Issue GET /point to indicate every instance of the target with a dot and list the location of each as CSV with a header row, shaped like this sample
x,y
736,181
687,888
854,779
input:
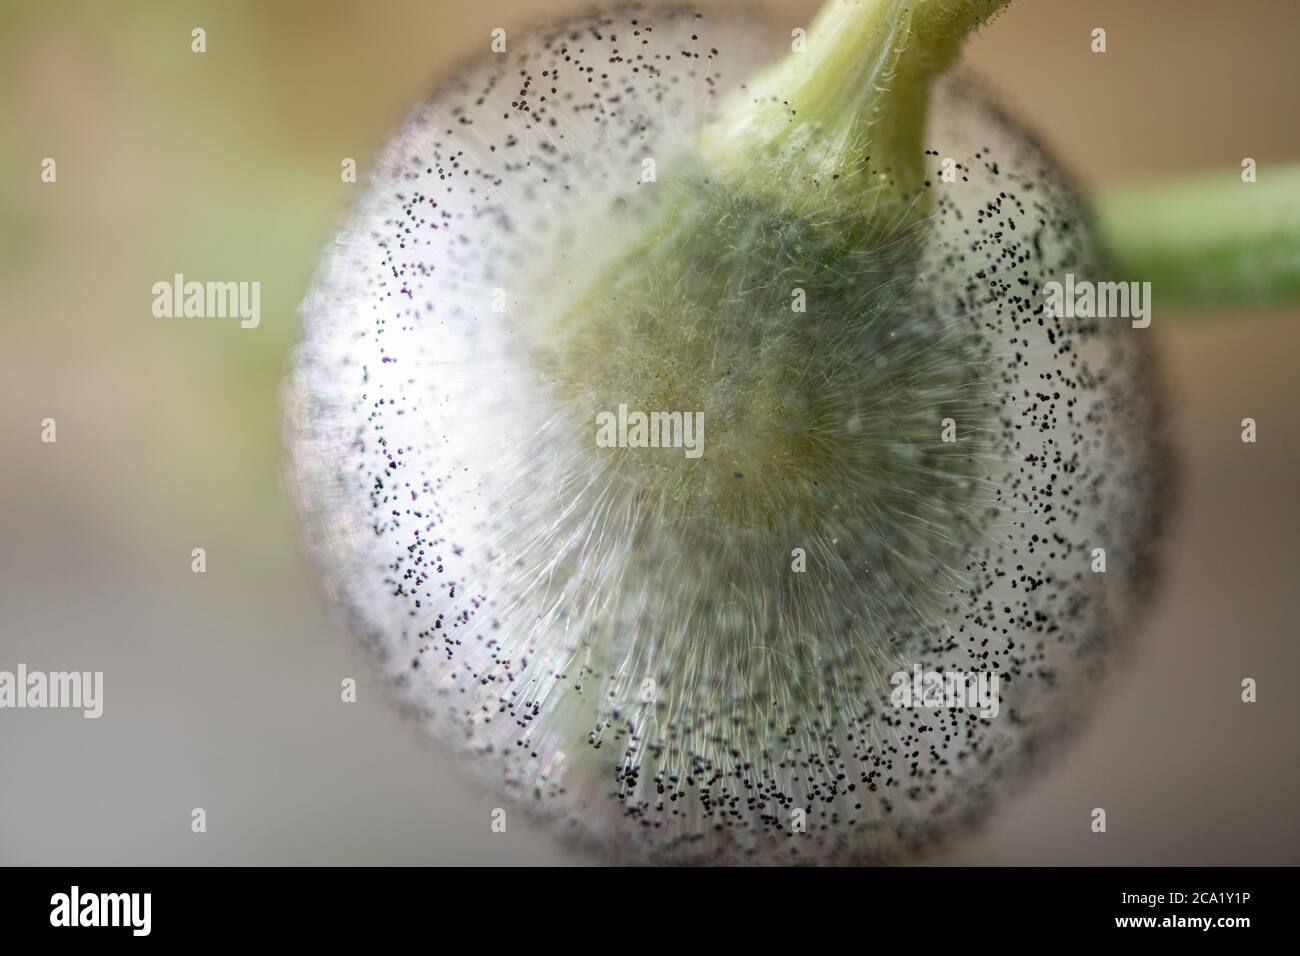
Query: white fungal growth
x,y
616,634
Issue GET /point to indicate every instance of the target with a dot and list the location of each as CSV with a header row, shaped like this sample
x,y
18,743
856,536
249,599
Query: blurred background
x,y
222,689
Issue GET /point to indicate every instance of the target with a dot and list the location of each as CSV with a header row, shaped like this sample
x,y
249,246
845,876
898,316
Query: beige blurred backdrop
x,y
222,689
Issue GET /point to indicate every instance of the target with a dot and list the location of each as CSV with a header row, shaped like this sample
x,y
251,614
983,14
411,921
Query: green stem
x,y
839,127
1209,240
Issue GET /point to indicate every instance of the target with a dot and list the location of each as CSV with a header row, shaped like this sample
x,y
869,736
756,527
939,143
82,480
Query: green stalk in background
x,y
1209,240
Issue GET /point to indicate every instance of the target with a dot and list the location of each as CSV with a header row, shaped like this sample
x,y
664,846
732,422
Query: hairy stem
x,y
841,123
